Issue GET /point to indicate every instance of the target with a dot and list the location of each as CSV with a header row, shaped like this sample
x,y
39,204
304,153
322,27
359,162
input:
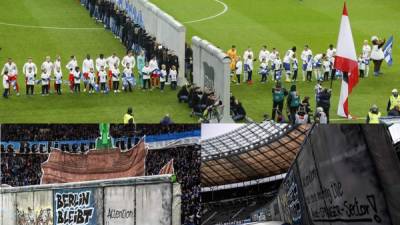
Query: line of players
x,y
102,75
321,64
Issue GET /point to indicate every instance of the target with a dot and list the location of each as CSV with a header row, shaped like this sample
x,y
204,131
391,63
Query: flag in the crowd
x,y
64,167
387,51
346,61
168,168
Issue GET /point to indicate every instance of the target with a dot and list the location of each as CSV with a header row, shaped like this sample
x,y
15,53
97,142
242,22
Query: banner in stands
x,y
124,143
168,31
211,72
334,179
74,206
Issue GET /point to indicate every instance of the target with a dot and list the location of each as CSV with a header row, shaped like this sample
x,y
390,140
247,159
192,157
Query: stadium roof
x,y
250,152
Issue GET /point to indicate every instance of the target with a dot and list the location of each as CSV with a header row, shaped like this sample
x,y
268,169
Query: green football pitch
x,y
279,24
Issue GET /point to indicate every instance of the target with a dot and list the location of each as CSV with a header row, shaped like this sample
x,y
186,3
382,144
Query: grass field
x,y
285,23
279,24
20,43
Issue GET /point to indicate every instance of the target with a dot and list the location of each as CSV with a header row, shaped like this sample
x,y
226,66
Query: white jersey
x,y
100,63
173,75
45,78
309,65
264,67
248,53
330,53
47,66
278,64
326,64
317,58
103,76
6,84
239,67
115,73
377,53
295,64
263,55
58,77
77,77
112,60
72,64
273,56
163,75
305,54
91,77
30,77
129,59
128,72
87,65
28,66
153,65
249,63
288,56
146,72
366,51
11,68
361,63
57,65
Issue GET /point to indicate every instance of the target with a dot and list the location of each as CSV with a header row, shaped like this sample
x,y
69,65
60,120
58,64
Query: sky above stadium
x,y
212,130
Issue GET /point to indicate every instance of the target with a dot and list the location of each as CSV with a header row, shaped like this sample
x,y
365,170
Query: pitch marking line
x,y
211,17
53,28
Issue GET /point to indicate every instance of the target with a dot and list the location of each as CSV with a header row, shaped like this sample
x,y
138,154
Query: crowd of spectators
x,y
187,163
236,205
21,169
25,169
57,132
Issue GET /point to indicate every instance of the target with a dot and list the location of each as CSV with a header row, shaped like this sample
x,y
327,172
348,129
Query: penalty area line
x,y
213,16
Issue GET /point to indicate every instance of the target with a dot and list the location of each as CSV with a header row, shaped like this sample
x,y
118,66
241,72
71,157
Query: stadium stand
x,y
251,152
243,169
21,169
233,206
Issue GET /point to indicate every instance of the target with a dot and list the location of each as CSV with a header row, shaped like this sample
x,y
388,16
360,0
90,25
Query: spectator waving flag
x,y
346,61
387,51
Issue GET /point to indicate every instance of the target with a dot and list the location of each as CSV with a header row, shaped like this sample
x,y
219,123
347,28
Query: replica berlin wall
x,y
151,200
344,174
168,31
211,71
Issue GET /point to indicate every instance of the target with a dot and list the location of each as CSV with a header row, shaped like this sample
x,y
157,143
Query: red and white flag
x,y
168,168
346,61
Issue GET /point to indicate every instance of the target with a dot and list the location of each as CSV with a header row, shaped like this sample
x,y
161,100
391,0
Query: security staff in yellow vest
x,y
373,115
128,117
393,100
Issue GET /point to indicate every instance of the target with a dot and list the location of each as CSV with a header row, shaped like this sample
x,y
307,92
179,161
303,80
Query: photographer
x,y
325,101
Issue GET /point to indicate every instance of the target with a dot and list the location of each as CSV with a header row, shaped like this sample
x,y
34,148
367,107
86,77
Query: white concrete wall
x,y
152,200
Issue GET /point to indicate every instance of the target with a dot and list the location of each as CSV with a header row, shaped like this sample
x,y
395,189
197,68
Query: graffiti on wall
x,y
30,217
74,207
